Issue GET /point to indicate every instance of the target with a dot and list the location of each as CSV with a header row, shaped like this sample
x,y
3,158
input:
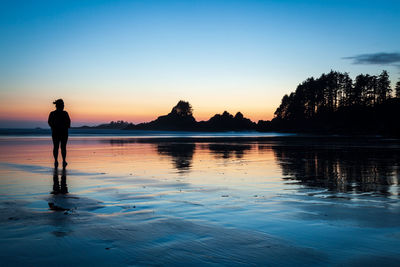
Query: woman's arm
x,y
50,121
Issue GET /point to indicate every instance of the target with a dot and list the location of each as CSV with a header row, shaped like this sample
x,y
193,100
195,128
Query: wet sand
x,y
173,201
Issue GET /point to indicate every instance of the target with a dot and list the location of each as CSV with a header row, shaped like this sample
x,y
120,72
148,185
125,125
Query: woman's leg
x,y
64,140
56,143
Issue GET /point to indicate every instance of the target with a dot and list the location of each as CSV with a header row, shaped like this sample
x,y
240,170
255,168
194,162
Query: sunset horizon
x,y
124,60
85,112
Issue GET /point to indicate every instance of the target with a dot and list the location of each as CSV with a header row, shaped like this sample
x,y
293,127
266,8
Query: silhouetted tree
x,y
179,119
371,89
239,116
397,89
358,93
227,122
183,109
282,111
346,84
383,89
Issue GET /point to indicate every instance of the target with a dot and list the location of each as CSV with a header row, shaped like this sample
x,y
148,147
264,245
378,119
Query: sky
x,y
134,60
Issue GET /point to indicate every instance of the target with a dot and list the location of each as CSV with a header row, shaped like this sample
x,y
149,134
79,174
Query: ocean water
x,y
200,198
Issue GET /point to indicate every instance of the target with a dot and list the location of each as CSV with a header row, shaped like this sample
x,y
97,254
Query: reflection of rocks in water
x,y
342,169
227,151
119,141
181,154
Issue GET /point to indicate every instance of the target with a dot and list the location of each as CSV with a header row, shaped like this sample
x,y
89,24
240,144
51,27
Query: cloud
x,y
376,59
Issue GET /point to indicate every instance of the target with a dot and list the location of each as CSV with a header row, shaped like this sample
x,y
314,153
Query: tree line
x,y
334,102
334,90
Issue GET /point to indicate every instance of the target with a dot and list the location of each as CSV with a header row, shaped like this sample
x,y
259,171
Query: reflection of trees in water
x,y
227,151
341,169
120,141
181,154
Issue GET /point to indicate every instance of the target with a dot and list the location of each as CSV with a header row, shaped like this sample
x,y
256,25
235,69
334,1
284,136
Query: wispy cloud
x,y
376,59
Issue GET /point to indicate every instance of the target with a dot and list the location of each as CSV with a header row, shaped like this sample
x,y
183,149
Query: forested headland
x,y
334,103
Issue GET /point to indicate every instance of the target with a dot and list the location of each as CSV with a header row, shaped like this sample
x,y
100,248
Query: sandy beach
x,y
126,201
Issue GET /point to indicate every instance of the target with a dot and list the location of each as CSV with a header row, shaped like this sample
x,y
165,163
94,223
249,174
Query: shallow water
x,y
252,200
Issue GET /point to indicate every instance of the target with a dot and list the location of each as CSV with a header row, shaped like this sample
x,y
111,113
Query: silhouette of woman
x,y
59,122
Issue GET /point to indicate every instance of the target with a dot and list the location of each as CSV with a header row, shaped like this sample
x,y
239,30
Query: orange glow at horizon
x,y
87,115
89,110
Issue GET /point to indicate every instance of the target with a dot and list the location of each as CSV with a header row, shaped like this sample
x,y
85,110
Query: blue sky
x,y
134,60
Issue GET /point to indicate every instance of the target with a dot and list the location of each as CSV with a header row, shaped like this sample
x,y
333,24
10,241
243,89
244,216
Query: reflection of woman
x,y
59,122
56,184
